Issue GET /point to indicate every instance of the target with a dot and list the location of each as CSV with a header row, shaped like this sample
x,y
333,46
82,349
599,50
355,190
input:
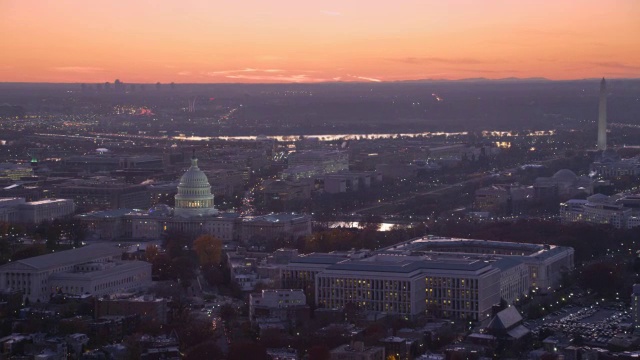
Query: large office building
x,y
273,226
609,164
107,163
9,171
327,161
621,212
17,210
442,277
104,194
93,269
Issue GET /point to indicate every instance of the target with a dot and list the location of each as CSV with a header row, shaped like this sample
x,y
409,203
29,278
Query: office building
x,y
9,171
32,276
327,161
357,351
621,212
289,226
609,164
104,194
35,212
281,304
442,277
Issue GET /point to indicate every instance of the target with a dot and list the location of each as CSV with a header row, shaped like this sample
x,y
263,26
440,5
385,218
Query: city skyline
x,y
221,42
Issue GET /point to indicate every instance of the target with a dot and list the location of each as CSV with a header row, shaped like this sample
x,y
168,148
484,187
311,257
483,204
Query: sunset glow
x,y
220,41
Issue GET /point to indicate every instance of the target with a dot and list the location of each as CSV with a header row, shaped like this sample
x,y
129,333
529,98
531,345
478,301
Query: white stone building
x,y
194,196
102,278
35,212
268,302
621,212
32,276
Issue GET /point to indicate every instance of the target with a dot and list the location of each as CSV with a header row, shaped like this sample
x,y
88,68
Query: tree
x,y
151,252
319,352
227,313
206,350
213,275
208,248
175,243
162,267
183,270
31,251
193,331
247,350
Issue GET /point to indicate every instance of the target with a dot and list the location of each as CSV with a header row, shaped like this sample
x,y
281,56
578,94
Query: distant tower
x,y
602,117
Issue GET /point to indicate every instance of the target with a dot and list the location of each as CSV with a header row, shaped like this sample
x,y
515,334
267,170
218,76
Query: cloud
x,y
616,65
245,70
331,13
184,73
296,78
366,78
79,69
437,60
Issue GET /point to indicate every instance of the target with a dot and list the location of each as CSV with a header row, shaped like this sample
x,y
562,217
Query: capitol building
x,y
194,214
194,196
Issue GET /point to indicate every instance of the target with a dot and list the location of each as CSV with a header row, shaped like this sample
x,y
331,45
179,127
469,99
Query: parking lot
x,y
595,324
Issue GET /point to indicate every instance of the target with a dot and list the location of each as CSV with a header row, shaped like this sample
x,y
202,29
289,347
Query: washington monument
x,y
602,117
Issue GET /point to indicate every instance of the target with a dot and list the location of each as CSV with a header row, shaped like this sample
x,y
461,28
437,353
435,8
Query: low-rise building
x,y
358,351
148,307
290,226
282,304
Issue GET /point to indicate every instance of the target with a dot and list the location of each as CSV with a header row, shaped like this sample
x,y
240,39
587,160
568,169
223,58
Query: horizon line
x,y
478,79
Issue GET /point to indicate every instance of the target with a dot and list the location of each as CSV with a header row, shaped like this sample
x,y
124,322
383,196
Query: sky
x,y
265,41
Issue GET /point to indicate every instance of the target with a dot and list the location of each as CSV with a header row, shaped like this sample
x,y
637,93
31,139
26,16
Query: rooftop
x,y
408,264
66,258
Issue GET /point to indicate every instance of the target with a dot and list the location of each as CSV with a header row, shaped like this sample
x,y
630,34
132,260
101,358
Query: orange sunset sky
x,y
210,41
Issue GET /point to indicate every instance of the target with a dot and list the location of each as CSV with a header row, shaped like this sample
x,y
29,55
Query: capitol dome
x,y
194,196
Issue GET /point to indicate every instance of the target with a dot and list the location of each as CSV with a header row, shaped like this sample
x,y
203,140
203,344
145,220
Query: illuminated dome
x,y
194,196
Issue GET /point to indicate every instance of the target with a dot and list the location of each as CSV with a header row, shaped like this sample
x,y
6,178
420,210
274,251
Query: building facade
x,y
441,277
32,276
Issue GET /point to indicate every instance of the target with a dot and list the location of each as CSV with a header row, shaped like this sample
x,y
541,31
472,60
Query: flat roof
x,y
275,218
46,201
68,257
125,267
408,264
318,258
